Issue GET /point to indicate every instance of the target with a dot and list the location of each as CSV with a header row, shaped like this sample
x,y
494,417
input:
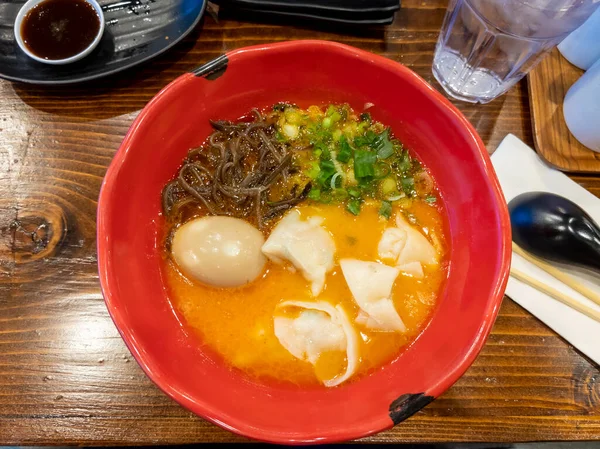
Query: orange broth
x,y
237,323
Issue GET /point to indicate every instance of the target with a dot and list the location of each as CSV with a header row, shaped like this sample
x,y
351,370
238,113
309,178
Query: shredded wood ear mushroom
x,y
232,174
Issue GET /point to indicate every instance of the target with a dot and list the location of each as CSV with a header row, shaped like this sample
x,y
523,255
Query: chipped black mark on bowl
x,y
407,405
212,69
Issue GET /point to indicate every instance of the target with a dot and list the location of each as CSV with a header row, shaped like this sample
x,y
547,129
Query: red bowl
x,y
302,72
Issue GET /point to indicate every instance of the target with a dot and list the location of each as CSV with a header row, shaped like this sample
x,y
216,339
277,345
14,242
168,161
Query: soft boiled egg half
x,y
219,251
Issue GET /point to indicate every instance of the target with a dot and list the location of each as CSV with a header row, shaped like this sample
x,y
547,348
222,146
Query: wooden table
x,y
65,375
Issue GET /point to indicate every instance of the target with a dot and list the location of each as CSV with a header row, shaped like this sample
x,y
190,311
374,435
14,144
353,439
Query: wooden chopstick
x,y
563,277
559,296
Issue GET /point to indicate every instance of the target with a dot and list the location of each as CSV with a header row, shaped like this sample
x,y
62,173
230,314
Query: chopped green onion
x,y
388,185
320,149
313,171
314,194
408,185
385,152
345,152
290,131
353,206
367,187
292,116
364,163
386,209
385,148
279,107
362,126
360,141
340,194
354,192
332,116
431,199
396,197
326,197
351,160
371,137
328,166
334,178
316,134
327,170
382,170
404,162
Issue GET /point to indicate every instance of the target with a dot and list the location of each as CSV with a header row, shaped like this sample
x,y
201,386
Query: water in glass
x,y
486,46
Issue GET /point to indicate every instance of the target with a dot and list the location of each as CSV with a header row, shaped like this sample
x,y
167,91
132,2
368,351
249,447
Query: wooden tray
x,y
548,85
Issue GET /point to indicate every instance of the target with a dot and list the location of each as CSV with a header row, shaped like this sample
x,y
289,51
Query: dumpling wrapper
x,y
319,328
407,248
371,286
305,244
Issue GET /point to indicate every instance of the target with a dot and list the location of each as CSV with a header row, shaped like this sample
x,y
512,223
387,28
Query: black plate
x,y
363,19
350,12
136,31
325,6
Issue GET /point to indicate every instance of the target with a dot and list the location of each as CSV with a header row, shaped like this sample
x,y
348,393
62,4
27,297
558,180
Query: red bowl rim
x,y
377,424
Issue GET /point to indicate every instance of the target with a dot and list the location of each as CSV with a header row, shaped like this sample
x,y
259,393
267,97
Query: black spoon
x,y
556,229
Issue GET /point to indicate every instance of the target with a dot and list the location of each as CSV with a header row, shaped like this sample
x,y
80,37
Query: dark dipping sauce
x,y
59,29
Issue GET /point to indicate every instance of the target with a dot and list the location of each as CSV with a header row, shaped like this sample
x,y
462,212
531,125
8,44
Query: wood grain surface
x,y
65,375
548,85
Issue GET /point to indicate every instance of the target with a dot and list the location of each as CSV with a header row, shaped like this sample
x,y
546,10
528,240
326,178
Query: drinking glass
x,y
486,46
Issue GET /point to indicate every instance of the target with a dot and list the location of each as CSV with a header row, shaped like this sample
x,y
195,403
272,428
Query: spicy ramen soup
x,y
304,246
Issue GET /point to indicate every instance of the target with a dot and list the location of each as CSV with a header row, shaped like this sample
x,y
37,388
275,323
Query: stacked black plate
x,y
342,11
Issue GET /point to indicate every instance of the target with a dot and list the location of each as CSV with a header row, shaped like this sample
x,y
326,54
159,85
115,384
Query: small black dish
x,y
136,31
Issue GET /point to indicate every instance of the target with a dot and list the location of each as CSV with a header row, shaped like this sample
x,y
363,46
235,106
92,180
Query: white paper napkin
x,y
520,170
